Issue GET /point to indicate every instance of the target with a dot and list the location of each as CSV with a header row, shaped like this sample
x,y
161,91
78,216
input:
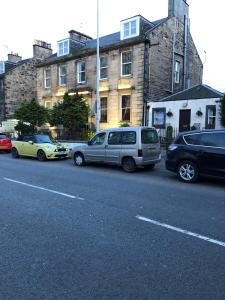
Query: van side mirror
x,y
89,143
31,142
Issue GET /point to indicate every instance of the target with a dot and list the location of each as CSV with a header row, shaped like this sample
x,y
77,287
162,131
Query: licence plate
x,y
151,150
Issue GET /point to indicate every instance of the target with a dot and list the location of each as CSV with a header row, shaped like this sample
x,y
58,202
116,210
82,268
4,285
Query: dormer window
x,y
129,28
2,67
63,47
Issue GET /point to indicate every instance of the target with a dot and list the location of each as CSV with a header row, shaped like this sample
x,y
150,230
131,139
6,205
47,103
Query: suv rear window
x,y
149,136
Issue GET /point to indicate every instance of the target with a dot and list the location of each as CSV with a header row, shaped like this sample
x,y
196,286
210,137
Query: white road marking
x,y
196,235
42,188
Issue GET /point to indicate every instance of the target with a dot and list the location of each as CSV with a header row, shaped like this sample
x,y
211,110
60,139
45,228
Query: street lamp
x,y
97,113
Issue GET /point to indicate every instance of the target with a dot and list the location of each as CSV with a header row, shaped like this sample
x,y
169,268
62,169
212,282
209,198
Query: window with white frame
x,y
103,111
177,72
126,63
210,116
2,67
125,108
103,67
63,47
62,75
47,78
159,117
81,72
130,28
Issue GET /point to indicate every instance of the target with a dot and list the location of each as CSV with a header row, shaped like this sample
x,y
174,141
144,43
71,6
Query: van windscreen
x,y
149,136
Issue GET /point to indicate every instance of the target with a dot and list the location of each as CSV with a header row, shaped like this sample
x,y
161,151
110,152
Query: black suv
x,y
197,153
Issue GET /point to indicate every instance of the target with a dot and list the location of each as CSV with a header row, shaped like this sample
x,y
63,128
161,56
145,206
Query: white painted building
x,y
194,108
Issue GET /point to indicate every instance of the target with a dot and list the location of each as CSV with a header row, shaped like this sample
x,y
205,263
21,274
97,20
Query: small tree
x,y
222,111
72,113
31,115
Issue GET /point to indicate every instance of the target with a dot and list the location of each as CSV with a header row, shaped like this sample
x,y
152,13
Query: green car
x,y
40,146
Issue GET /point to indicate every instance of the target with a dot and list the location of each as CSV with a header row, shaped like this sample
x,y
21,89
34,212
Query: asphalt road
x,y
98,233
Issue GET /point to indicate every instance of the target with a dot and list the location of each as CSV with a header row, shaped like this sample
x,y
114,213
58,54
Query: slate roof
x,y
108,41
200,91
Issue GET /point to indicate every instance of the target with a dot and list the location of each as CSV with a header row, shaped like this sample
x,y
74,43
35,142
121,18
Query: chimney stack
x,y
41,49
178,9
14,57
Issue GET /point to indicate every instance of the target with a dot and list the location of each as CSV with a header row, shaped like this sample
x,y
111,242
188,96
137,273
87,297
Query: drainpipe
x,y
173,54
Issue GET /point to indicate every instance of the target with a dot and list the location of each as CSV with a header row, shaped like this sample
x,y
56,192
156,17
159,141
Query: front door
x,y
185,119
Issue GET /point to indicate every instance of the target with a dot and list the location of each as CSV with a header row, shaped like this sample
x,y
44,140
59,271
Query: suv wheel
x,y
41,155
187,171
129,165
79,159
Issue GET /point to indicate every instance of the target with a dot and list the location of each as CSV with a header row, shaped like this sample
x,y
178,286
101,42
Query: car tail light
x,y
172,147
140,153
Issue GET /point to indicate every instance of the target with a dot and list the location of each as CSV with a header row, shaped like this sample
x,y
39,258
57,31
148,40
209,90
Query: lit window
x,y
159,117
62,75
129,28
104,67
2,67
126,63
63,47
125,108
81,73
103,117
48,104
210,117
47,78
177,72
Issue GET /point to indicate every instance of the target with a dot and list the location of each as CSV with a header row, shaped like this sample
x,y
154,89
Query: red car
x,y
5,143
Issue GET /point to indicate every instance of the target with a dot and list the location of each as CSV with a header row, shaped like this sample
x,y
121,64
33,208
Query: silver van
x,y
129,147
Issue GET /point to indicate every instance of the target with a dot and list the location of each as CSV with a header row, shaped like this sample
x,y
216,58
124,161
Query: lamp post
x,y
97,114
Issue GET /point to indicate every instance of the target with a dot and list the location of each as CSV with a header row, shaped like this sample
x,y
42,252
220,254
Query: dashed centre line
x,y
186,232
43,189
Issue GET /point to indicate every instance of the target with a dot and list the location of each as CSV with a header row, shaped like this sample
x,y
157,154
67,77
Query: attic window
x,y
129,28
63,47
2,67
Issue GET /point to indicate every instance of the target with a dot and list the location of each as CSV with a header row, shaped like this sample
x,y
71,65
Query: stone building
x,y
143,62
18,79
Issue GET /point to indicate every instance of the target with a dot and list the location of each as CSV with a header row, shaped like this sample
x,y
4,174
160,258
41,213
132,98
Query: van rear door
x,y
150,144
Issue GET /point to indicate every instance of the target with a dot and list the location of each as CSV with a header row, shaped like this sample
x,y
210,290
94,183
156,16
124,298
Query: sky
x,y
23,21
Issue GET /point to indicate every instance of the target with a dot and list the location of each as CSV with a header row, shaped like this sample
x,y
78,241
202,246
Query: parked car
x,y
197,153
39,146
129,147
5,143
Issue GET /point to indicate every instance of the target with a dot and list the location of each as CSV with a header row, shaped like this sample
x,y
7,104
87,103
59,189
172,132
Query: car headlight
x,y
172,147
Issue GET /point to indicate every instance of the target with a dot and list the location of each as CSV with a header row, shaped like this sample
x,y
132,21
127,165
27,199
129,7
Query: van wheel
x,y
15,153
79,159
129,165
187,171
41,155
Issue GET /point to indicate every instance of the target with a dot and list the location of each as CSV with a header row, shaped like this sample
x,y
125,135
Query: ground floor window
x,y
159,117
103,105
125,108
210,117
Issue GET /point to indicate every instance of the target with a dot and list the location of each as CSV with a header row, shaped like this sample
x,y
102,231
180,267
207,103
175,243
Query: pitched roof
x,y
107,41
200,91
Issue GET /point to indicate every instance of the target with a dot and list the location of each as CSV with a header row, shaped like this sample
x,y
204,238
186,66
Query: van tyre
x,y
15,153
79,159
129,165
41,155
188,172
